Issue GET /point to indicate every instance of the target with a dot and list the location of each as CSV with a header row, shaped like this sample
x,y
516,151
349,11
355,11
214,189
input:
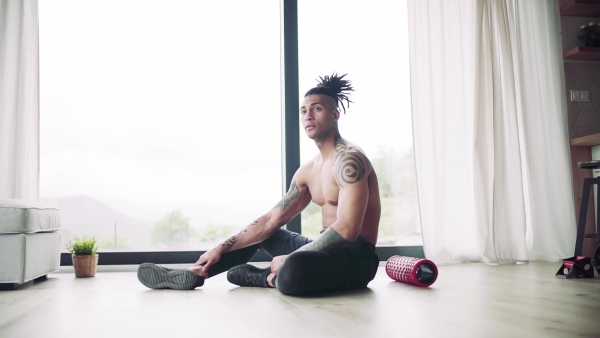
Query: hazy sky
x,y
151,106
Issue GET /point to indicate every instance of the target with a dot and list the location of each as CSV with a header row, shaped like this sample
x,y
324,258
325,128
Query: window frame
x,y
291,156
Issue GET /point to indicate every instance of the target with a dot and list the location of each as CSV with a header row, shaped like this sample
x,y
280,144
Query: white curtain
x,y
490,134
19,99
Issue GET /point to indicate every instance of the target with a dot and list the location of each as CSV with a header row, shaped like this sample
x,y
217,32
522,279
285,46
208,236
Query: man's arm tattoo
x,y
350,168
330,239
229,243
291,195
232,240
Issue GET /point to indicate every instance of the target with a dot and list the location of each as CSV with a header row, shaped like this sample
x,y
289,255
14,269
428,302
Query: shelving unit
x,y
582,54
585,8
582,8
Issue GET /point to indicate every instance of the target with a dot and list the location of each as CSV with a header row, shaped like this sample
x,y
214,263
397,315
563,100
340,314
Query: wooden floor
x,y
467,300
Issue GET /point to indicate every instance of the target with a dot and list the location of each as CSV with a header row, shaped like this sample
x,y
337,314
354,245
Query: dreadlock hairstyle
x,y
334,86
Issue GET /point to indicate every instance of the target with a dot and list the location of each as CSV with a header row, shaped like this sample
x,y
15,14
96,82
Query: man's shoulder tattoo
x,y
340,145
351,166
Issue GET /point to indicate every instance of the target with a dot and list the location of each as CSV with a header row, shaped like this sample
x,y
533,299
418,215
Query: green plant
x,y
589,32
82,246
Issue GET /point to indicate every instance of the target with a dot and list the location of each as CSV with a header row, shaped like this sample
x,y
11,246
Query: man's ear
x,y
336,115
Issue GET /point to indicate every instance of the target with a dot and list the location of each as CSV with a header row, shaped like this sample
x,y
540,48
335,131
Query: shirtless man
x,y
341,180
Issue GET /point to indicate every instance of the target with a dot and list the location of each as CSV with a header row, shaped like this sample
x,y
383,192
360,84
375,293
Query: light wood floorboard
x,y
467,300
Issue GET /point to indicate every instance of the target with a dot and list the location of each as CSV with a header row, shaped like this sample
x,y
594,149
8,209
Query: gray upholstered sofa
x,y
29,241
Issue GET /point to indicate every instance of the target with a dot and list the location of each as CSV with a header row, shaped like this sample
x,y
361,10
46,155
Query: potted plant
x,y
84,254
590,34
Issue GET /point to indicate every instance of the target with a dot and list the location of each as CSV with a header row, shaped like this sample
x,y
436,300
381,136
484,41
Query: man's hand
x,y
205,261
277,262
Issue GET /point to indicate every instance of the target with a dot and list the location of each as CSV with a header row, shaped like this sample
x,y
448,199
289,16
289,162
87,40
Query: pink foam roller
x,y
411,270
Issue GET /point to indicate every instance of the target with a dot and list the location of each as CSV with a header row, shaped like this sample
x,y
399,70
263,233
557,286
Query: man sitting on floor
x,y
341,180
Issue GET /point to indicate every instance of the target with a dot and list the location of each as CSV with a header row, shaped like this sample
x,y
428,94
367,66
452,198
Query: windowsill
x,y
133,268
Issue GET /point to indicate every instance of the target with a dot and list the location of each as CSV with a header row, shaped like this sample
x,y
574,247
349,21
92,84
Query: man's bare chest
x,y
322,185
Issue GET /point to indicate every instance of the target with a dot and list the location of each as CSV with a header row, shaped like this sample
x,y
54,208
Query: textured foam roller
x,y
411,270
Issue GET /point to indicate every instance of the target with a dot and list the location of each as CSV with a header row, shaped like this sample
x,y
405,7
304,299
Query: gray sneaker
x,y
248,275
158,277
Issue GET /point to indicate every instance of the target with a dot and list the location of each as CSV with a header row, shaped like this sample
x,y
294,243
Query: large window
x,y
368,40
160,121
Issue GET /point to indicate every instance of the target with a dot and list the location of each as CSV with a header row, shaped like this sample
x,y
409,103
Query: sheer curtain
x,y
490,135
19,99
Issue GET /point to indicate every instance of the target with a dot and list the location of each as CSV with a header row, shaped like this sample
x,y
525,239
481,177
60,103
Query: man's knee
x,y
292,275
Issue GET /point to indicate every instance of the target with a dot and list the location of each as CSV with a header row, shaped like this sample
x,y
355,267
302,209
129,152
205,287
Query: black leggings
x,y
282,242
313,272
310,272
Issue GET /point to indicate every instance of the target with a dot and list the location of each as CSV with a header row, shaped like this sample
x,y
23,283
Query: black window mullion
x,y
290,90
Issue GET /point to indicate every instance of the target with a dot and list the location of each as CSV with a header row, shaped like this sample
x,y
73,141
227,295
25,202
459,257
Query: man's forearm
x,y
230,242
252,234
329,239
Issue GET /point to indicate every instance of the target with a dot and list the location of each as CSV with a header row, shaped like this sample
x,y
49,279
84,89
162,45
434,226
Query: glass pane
x,y
160,130
370,44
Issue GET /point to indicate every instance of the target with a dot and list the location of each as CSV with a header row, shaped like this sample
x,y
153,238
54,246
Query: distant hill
x,y
84,215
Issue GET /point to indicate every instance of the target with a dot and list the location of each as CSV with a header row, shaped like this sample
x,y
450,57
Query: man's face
x,y
318,119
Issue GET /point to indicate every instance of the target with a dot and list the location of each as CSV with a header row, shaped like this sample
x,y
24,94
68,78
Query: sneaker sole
x,y
155,277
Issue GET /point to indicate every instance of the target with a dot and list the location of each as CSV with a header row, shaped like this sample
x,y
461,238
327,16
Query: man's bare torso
x,y
319,177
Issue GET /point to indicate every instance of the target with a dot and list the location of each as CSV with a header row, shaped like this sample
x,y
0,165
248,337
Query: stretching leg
x,y
232,258
158,277
282,242
311,272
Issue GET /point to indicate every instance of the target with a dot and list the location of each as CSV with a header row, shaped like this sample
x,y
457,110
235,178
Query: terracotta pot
x,y
85,266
